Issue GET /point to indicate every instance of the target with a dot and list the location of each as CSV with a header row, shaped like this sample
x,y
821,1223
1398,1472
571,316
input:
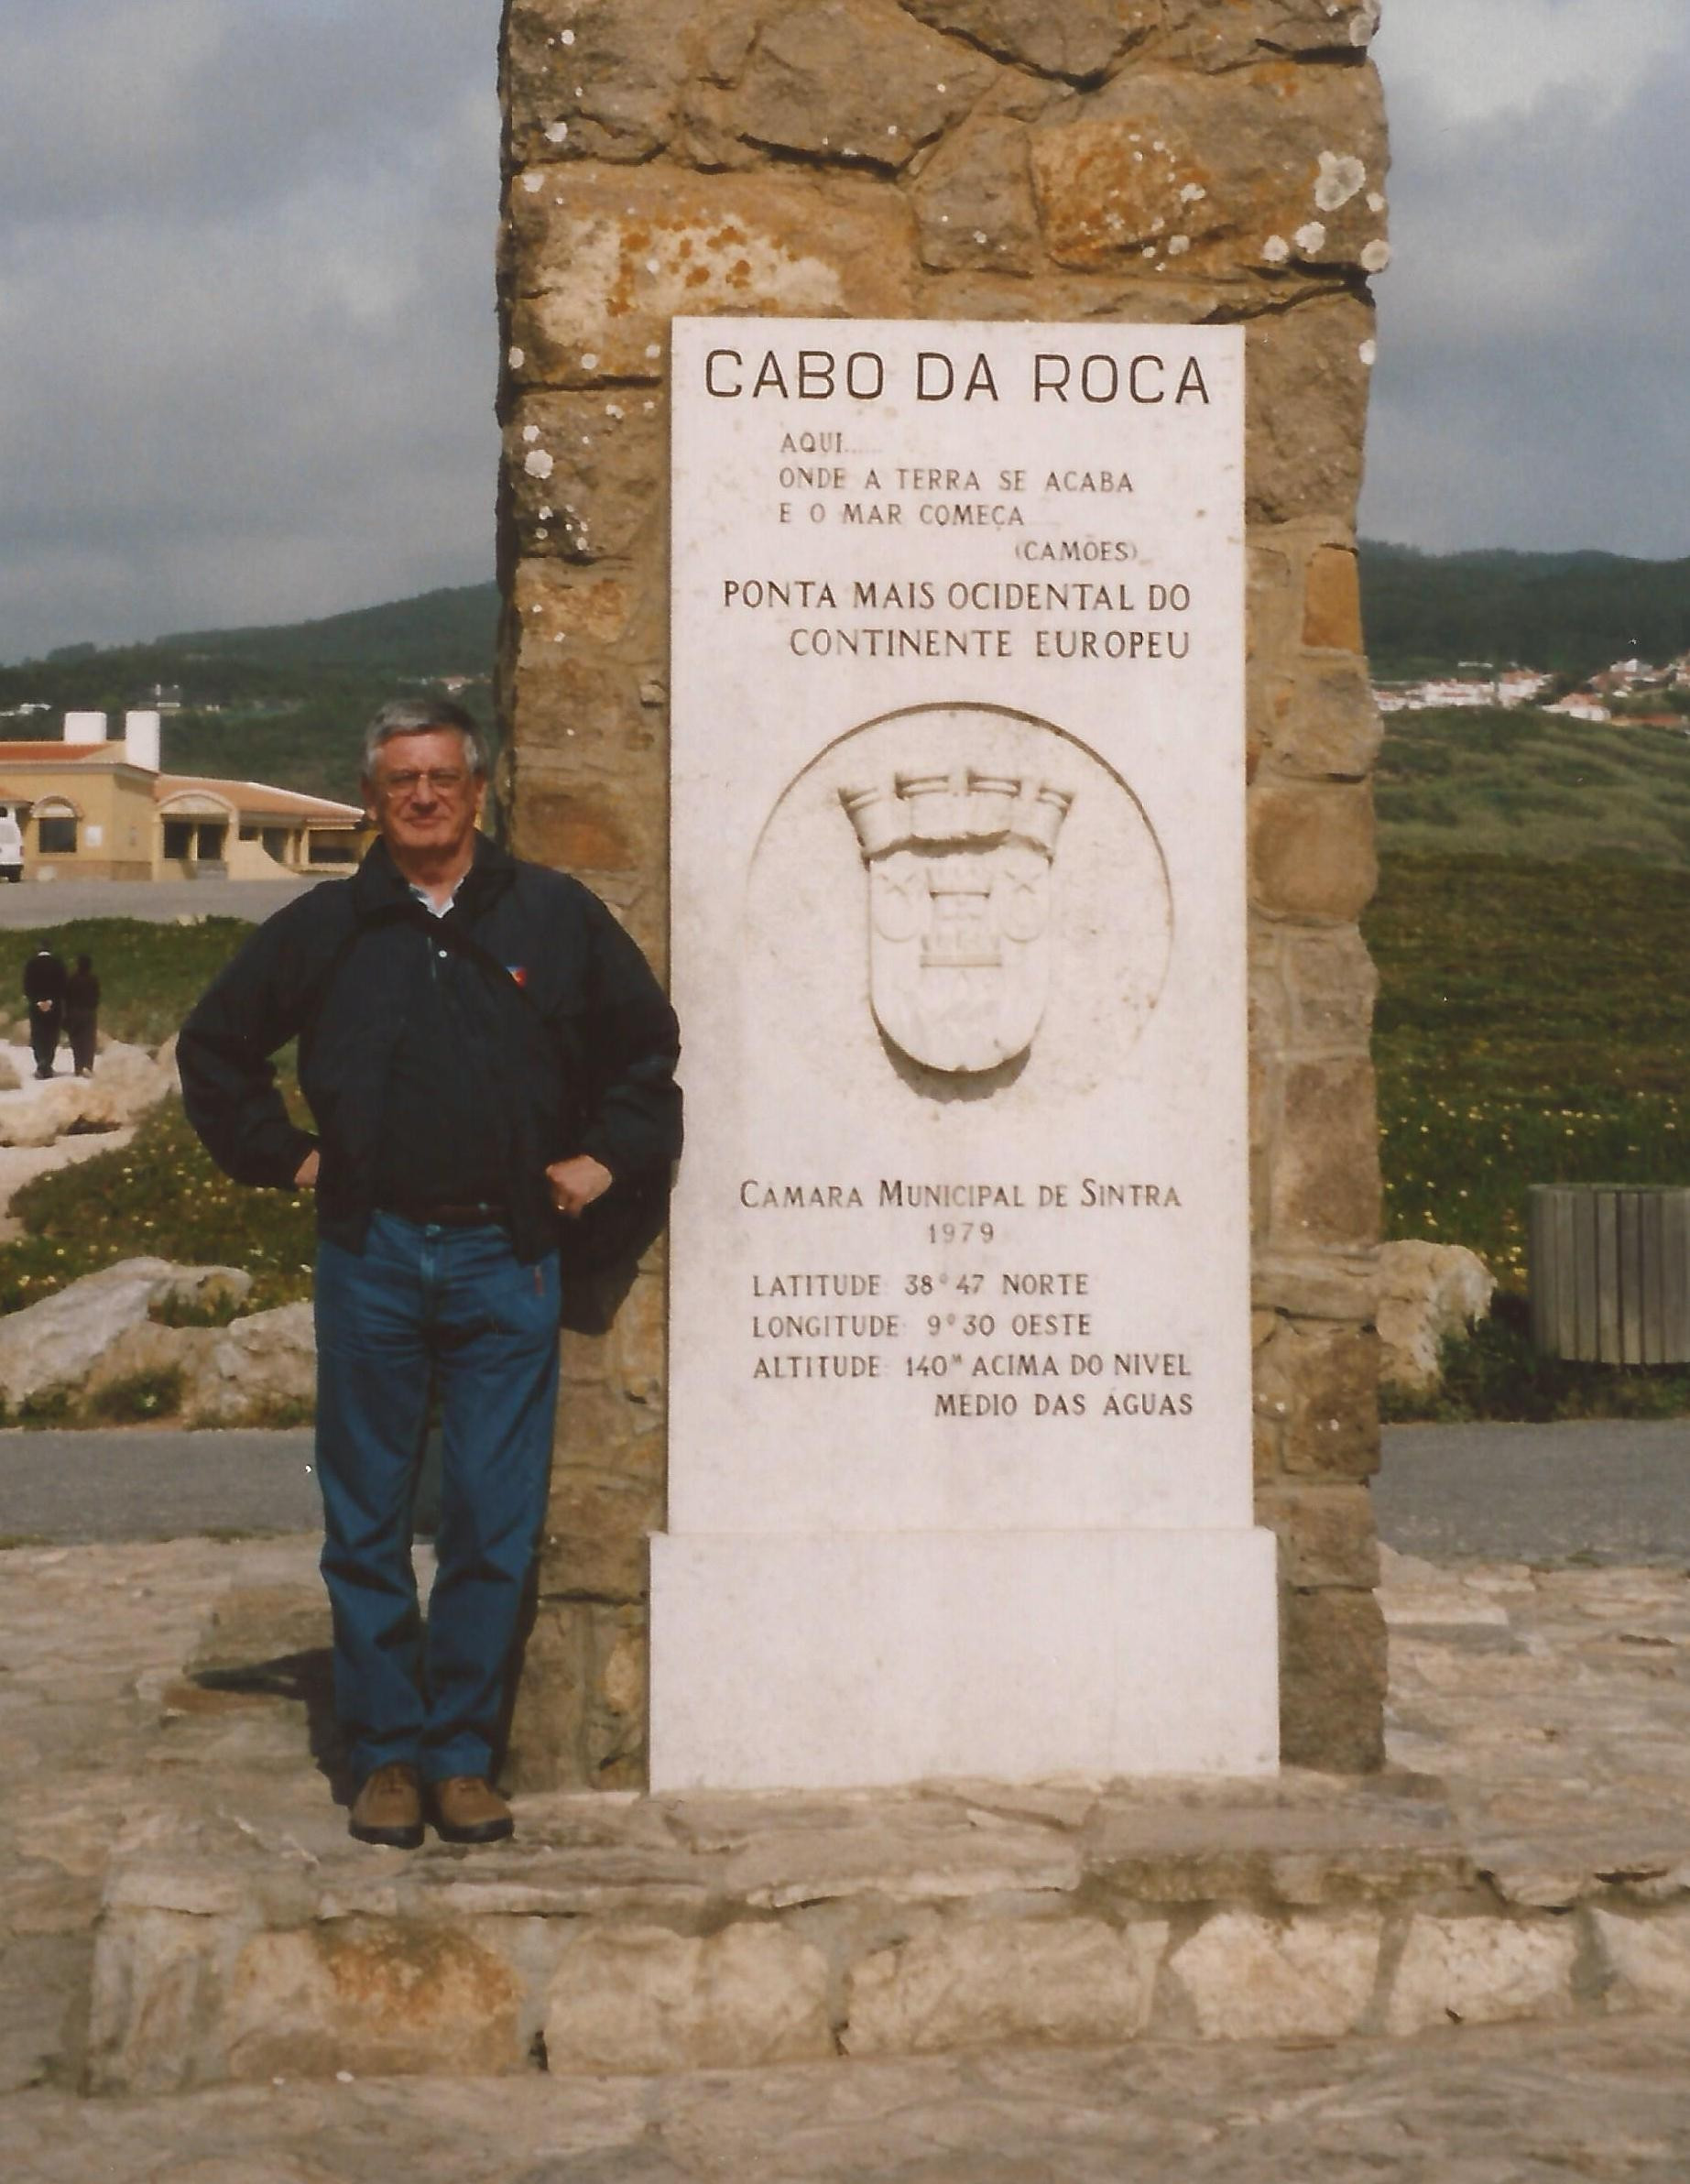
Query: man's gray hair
x,y
416,717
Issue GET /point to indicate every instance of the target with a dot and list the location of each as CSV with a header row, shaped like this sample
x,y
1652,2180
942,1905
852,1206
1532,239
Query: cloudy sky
x,y
246,322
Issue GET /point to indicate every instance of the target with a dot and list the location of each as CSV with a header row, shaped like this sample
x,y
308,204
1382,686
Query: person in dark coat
x,y
44,985
82,1014
483,1049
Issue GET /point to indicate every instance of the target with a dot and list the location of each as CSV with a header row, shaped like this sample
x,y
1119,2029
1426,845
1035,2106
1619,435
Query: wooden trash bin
x,y
1608,1266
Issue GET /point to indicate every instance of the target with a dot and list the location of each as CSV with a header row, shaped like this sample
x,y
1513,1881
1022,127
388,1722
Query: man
x,y
44,983
483,1049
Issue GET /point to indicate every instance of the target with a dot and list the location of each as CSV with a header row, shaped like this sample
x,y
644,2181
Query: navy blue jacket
x,y
584,1041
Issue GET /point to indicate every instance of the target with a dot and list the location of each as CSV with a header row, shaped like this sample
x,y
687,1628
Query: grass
x,y
1523,784
1532,1027
161,1196
150,975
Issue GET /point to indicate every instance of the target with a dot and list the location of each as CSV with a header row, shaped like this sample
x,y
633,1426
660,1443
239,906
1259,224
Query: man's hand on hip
x,y
575,1183
305,1177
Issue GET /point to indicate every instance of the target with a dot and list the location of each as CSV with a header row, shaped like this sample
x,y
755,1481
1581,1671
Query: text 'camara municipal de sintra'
x,y
1090,1191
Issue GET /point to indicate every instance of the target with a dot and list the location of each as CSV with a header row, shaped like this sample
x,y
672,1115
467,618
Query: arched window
x,y
195,828
58,826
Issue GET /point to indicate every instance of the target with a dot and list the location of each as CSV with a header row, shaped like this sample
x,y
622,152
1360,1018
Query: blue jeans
x,y
450,1309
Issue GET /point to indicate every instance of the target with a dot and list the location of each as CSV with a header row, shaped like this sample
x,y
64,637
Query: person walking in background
x,y
82,1014
44,985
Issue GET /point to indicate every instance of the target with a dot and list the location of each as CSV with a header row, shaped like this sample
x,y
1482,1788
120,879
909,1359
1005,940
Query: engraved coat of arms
x,y
959,911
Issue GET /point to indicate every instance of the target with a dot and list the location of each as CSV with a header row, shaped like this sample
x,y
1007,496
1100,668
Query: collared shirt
x,y
434,909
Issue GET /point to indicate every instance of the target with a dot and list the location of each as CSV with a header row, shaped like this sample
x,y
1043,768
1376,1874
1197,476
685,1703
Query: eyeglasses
x,y
442,781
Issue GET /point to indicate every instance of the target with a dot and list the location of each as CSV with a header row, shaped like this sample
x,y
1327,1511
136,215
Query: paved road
x,y
148,1485
161,902
1610,1492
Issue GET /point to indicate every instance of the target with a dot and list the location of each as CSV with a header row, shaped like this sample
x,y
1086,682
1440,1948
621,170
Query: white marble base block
x,y
959,1395
807,1662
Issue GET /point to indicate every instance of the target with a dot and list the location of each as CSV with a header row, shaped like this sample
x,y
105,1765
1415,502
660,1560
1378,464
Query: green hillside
x,y
1426,613
1566,613
286,704
439,633
1533,1024
269,702
1524,783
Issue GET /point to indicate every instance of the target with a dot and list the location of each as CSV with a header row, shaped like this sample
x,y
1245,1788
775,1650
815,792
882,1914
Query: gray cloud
x,y
248,353
1535,319
247,344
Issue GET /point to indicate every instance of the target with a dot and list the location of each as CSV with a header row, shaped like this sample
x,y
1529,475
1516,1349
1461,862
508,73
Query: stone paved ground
x,y
1551,1705
1511,2105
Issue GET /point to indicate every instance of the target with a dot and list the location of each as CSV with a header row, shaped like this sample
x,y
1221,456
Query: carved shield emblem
x,y
959,911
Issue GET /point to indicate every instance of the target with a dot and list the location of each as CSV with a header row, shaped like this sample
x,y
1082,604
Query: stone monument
x,y
960,1379
1167,176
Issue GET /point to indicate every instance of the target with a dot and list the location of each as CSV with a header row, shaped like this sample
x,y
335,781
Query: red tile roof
x,y
57,754
254,799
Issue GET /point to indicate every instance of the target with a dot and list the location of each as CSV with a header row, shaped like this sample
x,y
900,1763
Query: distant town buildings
x,y
1611,695
1473,686
93,807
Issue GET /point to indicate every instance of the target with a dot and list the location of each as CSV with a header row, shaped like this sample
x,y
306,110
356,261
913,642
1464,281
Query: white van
x,y
11,844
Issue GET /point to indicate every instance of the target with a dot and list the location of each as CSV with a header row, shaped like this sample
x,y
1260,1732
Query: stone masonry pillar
x,y
1163,162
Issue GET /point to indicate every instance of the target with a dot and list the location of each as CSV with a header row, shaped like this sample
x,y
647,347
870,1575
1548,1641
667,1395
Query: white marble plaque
x,y
960,1472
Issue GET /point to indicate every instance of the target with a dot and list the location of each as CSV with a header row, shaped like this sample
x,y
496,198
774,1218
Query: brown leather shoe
x,y
468,1809
388,1809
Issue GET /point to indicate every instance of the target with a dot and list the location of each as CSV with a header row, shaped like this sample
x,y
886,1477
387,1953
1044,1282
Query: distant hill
x,y
285,704
1567,613
1425,614
450,632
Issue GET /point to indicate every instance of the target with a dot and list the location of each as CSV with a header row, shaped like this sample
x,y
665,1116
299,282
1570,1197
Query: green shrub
x,y
52,1406
281,1413
216,1310
138,1396
1495,1373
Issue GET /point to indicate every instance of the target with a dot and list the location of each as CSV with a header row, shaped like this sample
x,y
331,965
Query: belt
x,y
451,1214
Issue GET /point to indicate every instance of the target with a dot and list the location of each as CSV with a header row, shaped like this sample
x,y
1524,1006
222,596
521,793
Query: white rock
x,y
1426,1291
377,1997
125,1083
130,1074
244,1374
57,1343
1480,1972
642,1999
150,1979
253,1367
1647,1961
1072,1983
1250,1979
